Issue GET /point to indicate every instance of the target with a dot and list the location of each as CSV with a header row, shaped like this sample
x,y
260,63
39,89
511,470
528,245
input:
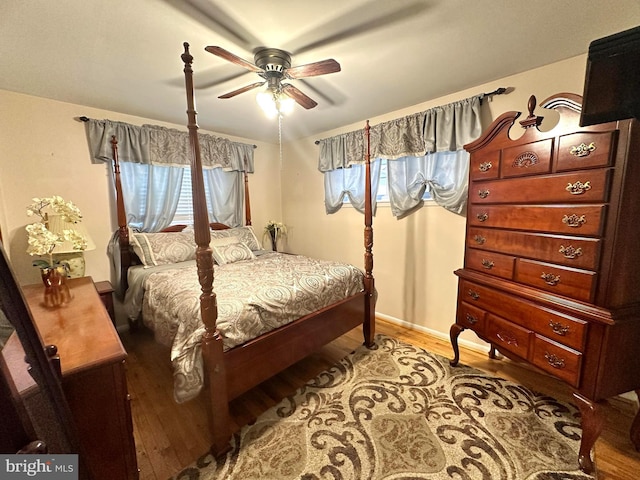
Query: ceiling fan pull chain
x,y
280,137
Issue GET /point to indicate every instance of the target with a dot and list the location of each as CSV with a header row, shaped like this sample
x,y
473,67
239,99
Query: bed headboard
x,y
127,256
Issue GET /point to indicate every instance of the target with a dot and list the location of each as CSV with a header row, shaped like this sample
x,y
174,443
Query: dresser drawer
x,y
571,251
529,159
559,361
508,336
492,263
494,301
565,219
564,329
590,186
478,295
485,165
471,317
585,150
570,282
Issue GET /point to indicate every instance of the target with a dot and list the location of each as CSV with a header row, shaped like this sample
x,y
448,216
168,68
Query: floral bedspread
x,y
253,298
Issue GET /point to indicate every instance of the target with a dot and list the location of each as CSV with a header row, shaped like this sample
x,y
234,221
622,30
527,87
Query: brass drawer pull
x,y
479,239
550,279
558,328
570,252
471,320
506,338
482,217
488,264
473,294
483,193
582,150
578,188
485,166
554,360
574,220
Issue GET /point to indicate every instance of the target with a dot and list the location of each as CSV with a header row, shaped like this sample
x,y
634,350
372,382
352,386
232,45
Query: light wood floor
x,y
169,436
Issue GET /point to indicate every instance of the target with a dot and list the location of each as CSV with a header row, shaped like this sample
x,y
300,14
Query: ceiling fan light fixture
x,y
274,103
286,104
266,100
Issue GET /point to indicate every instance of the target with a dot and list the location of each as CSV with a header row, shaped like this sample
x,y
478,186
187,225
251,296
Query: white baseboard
x,y
478,347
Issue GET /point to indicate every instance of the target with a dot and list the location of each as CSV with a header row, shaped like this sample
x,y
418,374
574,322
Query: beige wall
x,y
44,152
414,258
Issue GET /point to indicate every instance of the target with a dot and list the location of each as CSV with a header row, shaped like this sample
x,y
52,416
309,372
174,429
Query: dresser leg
x,y
635,427
492,352
592,423
454,332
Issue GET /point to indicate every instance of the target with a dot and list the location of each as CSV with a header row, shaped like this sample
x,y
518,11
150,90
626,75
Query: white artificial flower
x,y
41,240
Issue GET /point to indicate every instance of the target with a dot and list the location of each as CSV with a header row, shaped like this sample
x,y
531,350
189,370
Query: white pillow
x,y
218,242
163,247
244,234
231,253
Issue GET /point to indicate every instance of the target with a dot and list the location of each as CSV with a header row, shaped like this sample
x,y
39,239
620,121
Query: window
x,y
383,187
184,212
224,193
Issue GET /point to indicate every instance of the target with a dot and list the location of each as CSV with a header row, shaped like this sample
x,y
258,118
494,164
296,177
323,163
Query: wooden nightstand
x,y
92,363
105,290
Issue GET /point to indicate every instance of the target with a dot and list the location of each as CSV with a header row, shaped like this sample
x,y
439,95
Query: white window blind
x,y
184,212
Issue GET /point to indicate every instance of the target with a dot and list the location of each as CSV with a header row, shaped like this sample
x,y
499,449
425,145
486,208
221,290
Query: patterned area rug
x,y
399,412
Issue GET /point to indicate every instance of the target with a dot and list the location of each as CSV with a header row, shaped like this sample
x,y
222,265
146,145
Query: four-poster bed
x,y
232,370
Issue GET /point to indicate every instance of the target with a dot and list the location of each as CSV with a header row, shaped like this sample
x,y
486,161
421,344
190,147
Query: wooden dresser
x,y
552,258
93,376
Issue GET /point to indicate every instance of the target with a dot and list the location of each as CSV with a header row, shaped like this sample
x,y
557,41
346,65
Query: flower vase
x,y
56,290
274,240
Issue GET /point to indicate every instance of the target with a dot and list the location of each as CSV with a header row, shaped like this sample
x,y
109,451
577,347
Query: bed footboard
x,y
271,353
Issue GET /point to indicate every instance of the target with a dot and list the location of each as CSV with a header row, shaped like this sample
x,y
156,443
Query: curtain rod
x,y
497,91
86,119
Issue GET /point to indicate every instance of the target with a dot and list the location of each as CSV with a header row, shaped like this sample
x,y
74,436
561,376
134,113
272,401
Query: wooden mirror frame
x,y
41,361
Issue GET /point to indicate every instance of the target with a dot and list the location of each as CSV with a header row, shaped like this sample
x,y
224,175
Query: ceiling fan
x,y
274,66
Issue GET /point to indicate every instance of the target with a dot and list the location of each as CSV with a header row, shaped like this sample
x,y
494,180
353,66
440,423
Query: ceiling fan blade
x,y
214,77
313,69
358,21
242,90
213,16
300,98
222,53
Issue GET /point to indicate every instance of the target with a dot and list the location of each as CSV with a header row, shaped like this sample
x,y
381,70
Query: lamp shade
x,y
56,224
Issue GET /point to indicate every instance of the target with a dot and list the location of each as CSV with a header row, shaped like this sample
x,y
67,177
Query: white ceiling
x,y
124,55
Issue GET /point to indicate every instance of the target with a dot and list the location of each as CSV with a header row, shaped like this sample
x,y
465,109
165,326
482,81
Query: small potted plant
x,y
275,231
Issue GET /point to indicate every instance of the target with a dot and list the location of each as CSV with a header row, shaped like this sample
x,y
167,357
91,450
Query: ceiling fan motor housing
x,y
273,61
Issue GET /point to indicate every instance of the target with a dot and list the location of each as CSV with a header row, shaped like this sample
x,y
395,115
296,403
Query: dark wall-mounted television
x,y
612,81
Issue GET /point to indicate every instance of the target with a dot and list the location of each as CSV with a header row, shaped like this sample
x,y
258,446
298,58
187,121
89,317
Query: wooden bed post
x,y
215,377
369,326
123,230
247,203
